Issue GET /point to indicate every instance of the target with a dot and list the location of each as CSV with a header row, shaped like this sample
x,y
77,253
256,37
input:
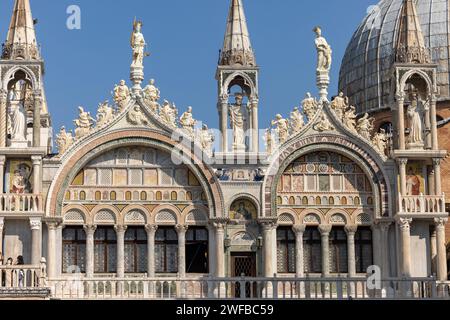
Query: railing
x,y
14,203
22,277
422,204
245,289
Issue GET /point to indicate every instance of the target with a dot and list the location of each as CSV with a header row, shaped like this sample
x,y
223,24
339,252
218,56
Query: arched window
x,y
166,251
82,195
173,196
338,251
312,245
105,250
113,196
364,249
159,196
197,250
286,250
73,250
143,196
136,250
128,195
98,196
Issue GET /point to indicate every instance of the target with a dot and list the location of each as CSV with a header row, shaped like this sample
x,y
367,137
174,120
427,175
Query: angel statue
x,y
310,106
138,45
83,123
339,105
324,52
365,127
349,119
64,140
269,141
121,94
188,122
297,121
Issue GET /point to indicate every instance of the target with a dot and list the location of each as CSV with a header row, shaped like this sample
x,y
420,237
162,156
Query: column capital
x,y
36,223
37,160
219,224
299,229
181,228
120,228
440,223
151,228
52,225
268,225
405,223
351,229
3,95
90,229
402,161
2,160
325,229
400,97
437,162
2,223
382,225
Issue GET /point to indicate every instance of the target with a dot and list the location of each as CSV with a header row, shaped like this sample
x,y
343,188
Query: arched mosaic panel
x,y
166,217
74,216
105,217
286,219
311,219
325,181
134,217
196,217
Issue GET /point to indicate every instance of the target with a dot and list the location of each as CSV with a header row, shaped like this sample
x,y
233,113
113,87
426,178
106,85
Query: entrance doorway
x,y
244,265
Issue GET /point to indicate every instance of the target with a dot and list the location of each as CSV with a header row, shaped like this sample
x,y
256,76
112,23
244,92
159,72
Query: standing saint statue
x,y
237,121
169,114
282,128
138,45
310,106
349,119
339,105
121,94
415,122
18,123
64,140
206,140
324,52
380,141
188,122
152,95
365,127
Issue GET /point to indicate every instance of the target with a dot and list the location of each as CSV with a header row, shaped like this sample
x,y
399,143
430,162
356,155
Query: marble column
x,y
2,226
220,248
2,174
385,249
37,164
90,232
351,251
37,118
437,176
434,131
120,235
401,122
181,230
325,234
36,241
402,171
267,228
405,229
211,248
151,233
3,122
255,125
433,249
299,231
51,249
442,272
223,118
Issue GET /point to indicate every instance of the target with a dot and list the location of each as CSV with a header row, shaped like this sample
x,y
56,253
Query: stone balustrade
x,y
422,204
244,288
21,203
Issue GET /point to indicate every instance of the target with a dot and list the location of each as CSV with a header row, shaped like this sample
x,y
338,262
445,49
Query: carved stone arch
x,y
79,157
100,215
431,89
166,208
337,216
312,218
244,196
136,208
252,86
195,212
82,212
360,217
35,83
288,217
372,167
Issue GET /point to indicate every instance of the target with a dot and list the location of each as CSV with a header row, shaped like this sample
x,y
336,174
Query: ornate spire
x,y
21,41
237,49
410,46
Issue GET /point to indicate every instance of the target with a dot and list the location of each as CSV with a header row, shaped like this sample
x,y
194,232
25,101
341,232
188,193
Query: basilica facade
x,y
143,191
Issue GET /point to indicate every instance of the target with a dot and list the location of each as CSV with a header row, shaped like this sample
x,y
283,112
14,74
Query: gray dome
x,y
367,65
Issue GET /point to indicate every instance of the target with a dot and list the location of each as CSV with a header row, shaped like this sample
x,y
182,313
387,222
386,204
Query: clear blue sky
x,y
185,36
